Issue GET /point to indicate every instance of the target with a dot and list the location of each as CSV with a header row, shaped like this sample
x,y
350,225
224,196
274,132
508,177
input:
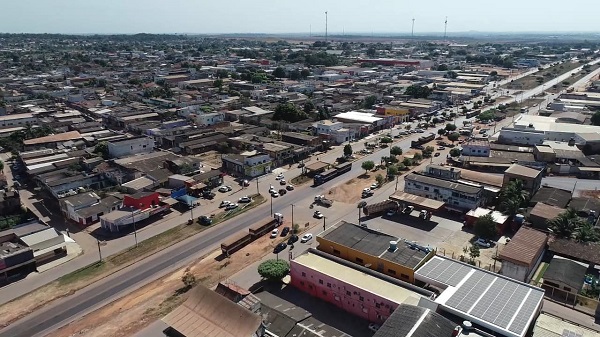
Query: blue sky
x,y
285,16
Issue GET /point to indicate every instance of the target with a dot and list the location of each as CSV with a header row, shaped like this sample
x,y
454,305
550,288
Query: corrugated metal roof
x,y
39,237
525,246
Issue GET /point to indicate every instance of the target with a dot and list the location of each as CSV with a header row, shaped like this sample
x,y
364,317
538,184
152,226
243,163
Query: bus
x,y
332,173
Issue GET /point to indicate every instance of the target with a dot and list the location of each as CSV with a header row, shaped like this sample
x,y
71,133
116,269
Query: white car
x,y
279,176
274,194
245,199
223,189
373,327
231,206
374,186
306,238
274,233
318,215
483,243
282,182
225,203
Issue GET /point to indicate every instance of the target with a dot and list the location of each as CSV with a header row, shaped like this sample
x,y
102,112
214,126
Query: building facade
x,y
130,146
249,165
457,196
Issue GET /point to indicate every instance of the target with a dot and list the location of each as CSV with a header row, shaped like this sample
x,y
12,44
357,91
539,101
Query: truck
x,y
332,173
422,140
380,208
323,201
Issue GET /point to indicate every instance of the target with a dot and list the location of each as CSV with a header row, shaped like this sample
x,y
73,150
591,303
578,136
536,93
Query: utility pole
x,y
397,177
257,192
134,229
292,216
272,205
445,27
324,223
99,251
412,33
325,26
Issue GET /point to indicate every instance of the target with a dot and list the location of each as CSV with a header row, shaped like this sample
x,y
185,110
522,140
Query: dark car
x,y
204,220
292,239
282,191
285,231
280,247
208,195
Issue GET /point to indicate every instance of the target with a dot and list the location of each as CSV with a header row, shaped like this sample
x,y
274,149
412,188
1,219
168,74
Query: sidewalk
x,y
569,314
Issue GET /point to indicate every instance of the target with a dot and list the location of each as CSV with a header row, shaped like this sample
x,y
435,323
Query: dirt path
x,y
136,310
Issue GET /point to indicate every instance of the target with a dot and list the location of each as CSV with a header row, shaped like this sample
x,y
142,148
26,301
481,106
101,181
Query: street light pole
x,y
292,215
134,229
324,223
257,191
397,177
99,251
272,205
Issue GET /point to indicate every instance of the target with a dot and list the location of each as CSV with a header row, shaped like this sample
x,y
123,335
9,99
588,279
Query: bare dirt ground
x,y
133,312
211,158
590,193
350,192
453,247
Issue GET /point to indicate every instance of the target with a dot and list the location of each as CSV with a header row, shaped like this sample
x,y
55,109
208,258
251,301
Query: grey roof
x,y
523,171
82,199
552,196
425,323
566,271
39,237
451,185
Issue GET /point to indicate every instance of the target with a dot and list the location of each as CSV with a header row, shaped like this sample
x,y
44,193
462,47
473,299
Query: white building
x,y
476,148
248,164
206,119
334,130
130,146
18,120
456,195
534,130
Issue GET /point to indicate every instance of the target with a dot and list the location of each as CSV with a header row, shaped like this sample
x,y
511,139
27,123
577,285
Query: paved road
x,y
118,284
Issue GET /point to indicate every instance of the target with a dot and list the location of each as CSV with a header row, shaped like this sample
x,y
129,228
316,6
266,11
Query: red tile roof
x,y
525,247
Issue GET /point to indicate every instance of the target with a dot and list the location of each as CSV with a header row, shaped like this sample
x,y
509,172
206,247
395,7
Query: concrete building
x,y
373,249
496,303
207,119
565,277
362,294
130,146
531,178
456,195
476,148
522,255
249,164
18,120
70,205
136,208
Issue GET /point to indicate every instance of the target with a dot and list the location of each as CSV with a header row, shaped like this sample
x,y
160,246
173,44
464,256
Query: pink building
x,y
354,291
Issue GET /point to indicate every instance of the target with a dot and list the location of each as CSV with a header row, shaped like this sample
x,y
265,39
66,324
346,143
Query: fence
x,y
579,302
493,267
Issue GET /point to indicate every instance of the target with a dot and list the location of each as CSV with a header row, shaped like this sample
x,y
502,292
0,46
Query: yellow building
x,y
381,252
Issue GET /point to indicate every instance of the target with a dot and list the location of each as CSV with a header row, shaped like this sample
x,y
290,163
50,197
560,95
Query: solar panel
x,y
466,296
489,306
520,322
429,267
512,305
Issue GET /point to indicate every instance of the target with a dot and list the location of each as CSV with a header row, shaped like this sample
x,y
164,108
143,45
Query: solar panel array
x,y
487,297
444,271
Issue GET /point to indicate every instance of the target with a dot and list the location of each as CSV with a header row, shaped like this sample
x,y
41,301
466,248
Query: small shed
x,y
541,213
521,256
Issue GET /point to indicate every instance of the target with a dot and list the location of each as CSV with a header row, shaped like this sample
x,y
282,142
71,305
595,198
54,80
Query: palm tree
x,y
565,224
586,232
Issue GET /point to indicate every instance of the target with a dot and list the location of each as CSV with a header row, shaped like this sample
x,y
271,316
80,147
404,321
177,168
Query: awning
x,y
417,201
198,186
187,199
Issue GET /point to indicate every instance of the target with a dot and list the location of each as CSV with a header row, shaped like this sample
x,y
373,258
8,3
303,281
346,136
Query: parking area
x,y
442,233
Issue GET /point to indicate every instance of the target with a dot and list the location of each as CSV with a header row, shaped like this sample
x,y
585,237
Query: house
x,y
565,277
18,120
373,249
51,141
46,244
500,219
248,164
130,146
476,148
521,256
89,215
551,196
357,290
208,314
541,213
136,208
16,258
301,139
531,178
70,205
457,196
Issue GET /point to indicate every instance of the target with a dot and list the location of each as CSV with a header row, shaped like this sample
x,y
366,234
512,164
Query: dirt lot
x,y
454,244
350,192
131,313
211,158
530,81
590,194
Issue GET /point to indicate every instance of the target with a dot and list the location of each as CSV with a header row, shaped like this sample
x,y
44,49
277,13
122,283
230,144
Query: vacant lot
x,y
538,78
351,191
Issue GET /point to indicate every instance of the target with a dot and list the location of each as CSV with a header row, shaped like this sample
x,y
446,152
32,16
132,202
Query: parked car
x,y
223,189
274,194
437,154
318,215
231,206
373,327
483,243
245,199
279,176
306,237
441,148
245,183
208,195
204,220
274,233
374,186
292,239
408,209
285,231
289,187
282,191
282,182
280,247
224,203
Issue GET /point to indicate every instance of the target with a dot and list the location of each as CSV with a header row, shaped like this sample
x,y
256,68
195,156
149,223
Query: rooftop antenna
x,y
445,27
412,34
325,26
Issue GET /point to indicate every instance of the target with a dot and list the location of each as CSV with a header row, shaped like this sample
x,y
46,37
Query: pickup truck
x,y
322,200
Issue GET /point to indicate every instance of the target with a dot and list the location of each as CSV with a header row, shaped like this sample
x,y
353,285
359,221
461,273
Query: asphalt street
x,y
69,308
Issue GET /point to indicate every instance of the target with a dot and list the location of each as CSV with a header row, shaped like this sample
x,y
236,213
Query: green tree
x,y
304,73
586,232
442,67
417,158
441,131
102,149
452,115
453,136
289,112
565,224
450,127
474,252
218,83
451,74
188,279
396,151
393,170
485,227
308,107
273,270
347,150
386,140
595,118
1,166
367,165
407,162
455,152
369,101
380,179
371,52
279,72
418,91
512,197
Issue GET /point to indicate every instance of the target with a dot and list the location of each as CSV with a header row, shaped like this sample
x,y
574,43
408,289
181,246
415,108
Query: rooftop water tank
x,y
393,246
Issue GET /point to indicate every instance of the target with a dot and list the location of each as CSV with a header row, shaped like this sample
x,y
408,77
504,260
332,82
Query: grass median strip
x,y
81,278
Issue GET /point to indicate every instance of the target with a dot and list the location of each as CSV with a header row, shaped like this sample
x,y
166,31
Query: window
x,y
359,260
336,252
303,274
426,188
391,271
348,293
360,298
377,305
404,276
328,285
320,281
324,293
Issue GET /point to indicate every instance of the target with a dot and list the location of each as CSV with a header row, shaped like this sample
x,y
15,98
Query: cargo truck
x,y
380,208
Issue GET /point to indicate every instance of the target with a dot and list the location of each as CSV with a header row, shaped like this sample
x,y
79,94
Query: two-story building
x,y
531,178
457,196
130,146
248,164
476,148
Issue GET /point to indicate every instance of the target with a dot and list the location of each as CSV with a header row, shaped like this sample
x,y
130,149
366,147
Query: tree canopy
x,y
273,270
512,197
568,225
485,227
367,165
289,112
418,91
396,151
595,118
347,150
